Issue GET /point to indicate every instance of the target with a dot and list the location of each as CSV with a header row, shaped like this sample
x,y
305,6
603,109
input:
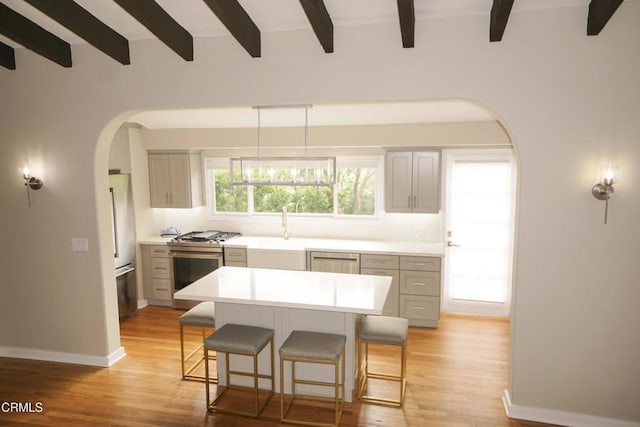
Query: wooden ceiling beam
x,y
320,21
407,15
159,22
33,37
239,24
500,12
85,25
600,11
7,56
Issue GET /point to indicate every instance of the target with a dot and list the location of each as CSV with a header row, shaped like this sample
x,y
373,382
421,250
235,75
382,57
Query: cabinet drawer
x,y
235,254
162,289
160,251
419,307
235,263
420,263
160,268
420,283
379,261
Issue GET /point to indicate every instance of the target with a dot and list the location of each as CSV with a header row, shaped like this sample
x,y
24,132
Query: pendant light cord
x,y
306,129
259,150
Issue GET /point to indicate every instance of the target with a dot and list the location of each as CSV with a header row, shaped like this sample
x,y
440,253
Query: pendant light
x,y
290,171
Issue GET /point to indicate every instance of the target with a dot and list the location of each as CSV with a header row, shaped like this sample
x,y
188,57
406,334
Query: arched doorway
x,y
438,135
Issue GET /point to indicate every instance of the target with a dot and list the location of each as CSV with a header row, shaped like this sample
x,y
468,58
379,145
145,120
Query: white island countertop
x,y
348,293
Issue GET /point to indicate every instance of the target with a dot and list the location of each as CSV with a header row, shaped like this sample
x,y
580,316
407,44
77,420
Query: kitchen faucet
x,y
285,223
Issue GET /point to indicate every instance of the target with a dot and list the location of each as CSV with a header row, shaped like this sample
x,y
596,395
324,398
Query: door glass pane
x,y
479,205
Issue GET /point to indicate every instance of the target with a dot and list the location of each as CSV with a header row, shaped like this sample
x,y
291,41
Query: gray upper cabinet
x,y
175,180
412,181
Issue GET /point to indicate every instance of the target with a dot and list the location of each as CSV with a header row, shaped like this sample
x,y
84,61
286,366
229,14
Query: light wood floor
x,y
456,377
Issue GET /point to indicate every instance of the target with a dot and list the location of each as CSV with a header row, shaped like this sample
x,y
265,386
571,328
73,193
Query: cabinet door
x,y
159,181
426,182
397,194
180,181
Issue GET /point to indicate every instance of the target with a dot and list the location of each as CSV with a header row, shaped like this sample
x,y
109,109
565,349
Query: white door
x,y
480,210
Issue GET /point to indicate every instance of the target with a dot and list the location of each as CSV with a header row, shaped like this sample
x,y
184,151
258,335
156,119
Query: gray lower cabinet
x,y
415,288
156,274
235,257
420,283
384,265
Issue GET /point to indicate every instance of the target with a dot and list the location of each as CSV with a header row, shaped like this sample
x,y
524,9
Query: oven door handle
x,y
203,255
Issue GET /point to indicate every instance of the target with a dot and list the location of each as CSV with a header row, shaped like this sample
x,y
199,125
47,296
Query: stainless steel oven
x,y
193,256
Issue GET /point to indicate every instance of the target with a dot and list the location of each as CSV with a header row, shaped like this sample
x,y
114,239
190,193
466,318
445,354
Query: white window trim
x,y
211,163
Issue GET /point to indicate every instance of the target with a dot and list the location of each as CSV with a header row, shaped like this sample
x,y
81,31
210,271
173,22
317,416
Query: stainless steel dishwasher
x,y
335,262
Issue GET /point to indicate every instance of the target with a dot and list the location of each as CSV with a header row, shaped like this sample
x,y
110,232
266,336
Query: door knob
x,y
450,244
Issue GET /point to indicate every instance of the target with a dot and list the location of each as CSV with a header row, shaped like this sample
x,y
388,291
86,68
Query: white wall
x,y
323,141
569,102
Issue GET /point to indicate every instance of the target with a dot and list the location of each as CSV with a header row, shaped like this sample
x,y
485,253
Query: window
x,y
354,194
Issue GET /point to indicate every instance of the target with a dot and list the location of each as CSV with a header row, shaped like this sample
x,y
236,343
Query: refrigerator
x,y
123,234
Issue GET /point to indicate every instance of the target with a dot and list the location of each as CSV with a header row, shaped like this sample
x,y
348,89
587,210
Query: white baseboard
x,y
554,416
55,356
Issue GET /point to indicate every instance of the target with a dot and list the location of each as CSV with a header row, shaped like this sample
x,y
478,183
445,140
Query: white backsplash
x,y
391,227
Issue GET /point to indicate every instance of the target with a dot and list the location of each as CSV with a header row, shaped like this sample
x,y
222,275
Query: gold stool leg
x,y
401,378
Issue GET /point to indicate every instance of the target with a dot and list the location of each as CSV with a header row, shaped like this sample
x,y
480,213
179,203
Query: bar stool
x,y
387,331
202,315
313,347
244,341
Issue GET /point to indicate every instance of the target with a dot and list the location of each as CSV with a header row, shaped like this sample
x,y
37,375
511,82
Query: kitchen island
x,y
287,300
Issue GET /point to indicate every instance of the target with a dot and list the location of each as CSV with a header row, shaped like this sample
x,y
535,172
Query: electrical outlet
x,y
80,244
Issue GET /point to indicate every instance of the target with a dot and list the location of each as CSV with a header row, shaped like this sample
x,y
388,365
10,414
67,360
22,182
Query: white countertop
x,y
349,293
339,245
155,240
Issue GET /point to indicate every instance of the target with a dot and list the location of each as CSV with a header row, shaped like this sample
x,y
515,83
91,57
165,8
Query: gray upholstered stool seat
x,y
386,331
313,347
203,316
240,340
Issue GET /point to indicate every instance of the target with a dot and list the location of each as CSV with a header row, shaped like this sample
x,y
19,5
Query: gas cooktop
x,y
209,237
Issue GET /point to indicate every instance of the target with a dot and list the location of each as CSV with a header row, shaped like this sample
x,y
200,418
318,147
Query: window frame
x,y
213,162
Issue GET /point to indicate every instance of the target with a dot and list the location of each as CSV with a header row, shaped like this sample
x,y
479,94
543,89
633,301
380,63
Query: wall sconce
x,y
604,190
30,182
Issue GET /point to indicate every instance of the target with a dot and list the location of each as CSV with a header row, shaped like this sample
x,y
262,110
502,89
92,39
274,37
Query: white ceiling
x,y
287,15
318,115
269,15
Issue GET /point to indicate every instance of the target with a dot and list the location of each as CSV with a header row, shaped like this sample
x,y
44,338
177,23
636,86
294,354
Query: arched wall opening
x,y
103,145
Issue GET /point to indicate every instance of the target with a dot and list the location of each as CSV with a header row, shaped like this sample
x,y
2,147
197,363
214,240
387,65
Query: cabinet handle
x,y
418,284
417,307
417,263
414,202
160,268
409,201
